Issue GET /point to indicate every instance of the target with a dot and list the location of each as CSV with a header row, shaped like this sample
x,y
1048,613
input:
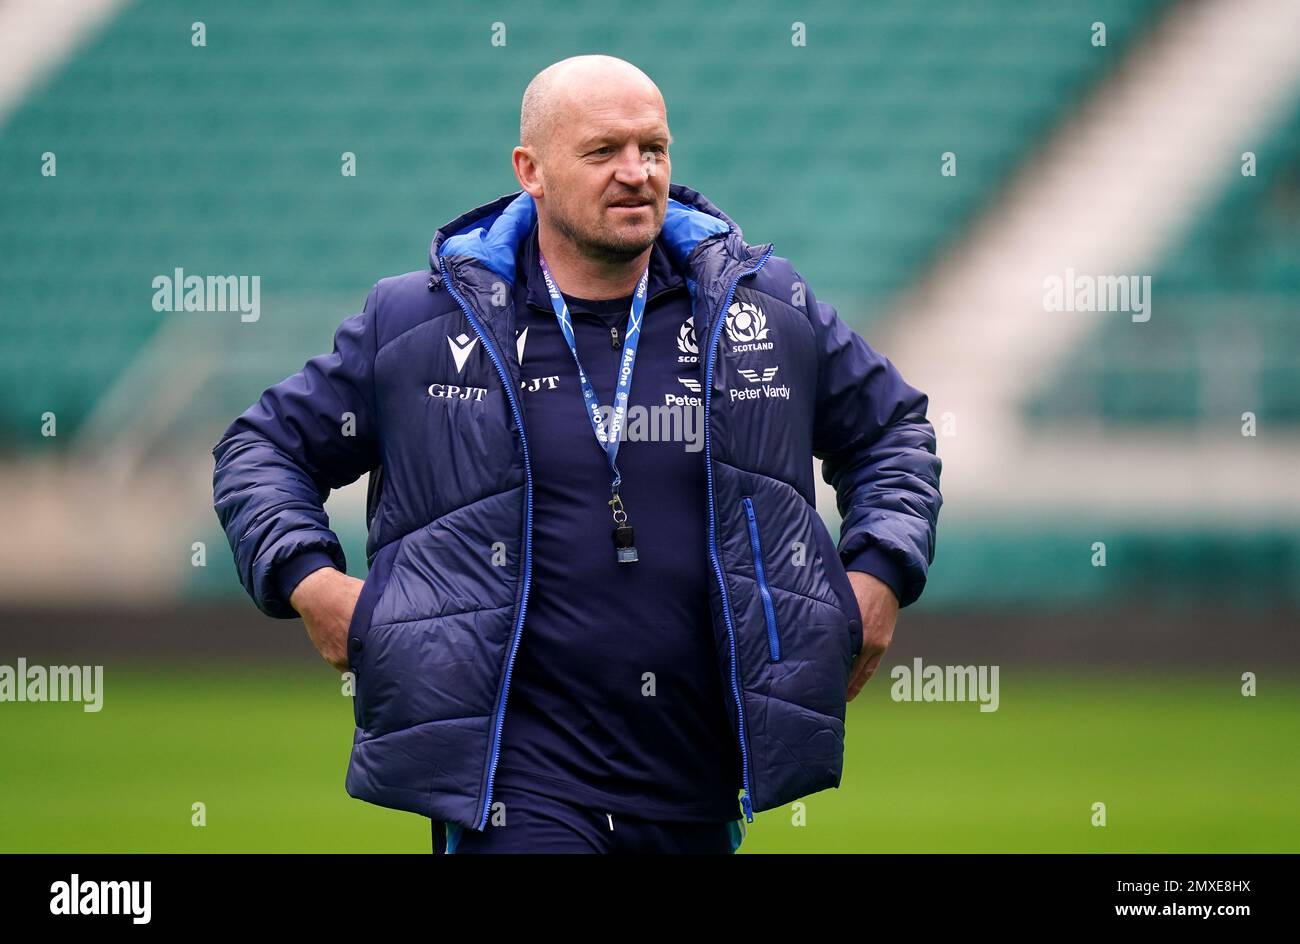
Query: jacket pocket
x,y
838,576
362,619
760,575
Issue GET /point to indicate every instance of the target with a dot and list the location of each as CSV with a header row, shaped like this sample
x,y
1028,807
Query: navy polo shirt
x,y
617,700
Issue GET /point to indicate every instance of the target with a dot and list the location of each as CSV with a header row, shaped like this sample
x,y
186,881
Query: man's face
x,y
606,153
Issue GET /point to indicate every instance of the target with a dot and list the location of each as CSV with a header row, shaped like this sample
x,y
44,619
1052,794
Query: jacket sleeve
x,y
277,462
878,452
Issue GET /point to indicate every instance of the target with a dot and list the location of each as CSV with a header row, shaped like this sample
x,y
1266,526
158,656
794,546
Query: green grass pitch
x,y
1183,764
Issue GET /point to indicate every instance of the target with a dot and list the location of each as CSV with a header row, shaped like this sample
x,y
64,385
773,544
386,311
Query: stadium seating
x,y
226,158
1224,336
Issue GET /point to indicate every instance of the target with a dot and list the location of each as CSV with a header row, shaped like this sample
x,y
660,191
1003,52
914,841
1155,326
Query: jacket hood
x,y
492,233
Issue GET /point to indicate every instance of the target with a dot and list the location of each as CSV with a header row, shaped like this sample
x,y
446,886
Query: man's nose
x,y
634,166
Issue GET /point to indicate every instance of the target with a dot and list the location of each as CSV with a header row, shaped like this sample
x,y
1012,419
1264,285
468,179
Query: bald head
x,y
559,93
593,154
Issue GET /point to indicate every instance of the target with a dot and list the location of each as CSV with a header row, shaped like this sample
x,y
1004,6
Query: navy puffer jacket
x,y
433,638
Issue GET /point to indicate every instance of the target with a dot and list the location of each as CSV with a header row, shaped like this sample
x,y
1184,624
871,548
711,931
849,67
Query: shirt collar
x,y
663,276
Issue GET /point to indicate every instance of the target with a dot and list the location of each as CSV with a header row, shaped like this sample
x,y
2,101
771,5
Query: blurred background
x,y
1121,527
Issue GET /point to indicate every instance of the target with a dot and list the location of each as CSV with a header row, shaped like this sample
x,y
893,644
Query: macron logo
x,y
460,348
76,897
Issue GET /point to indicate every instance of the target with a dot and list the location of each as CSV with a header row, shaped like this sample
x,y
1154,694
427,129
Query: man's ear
x,y
528,171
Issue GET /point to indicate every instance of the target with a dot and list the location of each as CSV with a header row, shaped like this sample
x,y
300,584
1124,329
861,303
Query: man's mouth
x,y
630,204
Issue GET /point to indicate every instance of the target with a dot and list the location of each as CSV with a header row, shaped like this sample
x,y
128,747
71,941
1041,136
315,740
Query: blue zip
x,y
746,797
773,643
528,538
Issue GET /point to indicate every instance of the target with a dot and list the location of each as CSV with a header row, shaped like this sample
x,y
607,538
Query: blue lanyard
x,y
627,360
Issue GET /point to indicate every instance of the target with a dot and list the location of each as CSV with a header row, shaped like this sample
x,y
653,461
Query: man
x,y
574,635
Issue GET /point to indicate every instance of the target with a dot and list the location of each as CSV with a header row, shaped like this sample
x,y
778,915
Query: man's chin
x,y
624,247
